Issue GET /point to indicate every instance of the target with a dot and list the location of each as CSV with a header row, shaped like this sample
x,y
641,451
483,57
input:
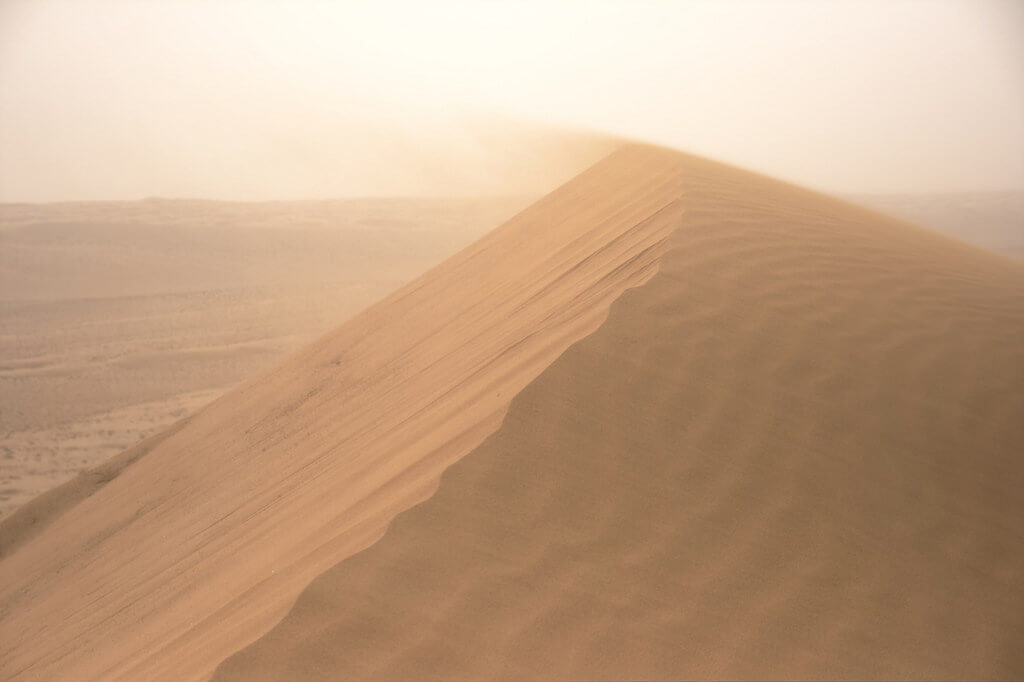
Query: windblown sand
x,y
696,423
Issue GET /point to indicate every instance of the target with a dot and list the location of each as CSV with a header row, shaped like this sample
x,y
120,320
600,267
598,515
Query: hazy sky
x,y
251,99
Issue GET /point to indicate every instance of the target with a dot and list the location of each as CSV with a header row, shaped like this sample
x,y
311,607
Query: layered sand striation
x,y
794,453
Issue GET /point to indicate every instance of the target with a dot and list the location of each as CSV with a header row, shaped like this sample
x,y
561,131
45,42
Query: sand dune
x,y
791,450
794,452
202,544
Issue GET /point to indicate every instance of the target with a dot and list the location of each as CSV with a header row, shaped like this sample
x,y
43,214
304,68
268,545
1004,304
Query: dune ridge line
x,y
201,545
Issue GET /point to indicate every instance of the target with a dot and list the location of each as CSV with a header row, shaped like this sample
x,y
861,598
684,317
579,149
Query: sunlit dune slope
x,y
795,452
189,547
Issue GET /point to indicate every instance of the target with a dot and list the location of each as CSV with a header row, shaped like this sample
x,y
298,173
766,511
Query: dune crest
x,y
795,452
203,543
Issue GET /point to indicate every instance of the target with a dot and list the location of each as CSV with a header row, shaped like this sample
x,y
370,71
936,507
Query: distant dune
x,y
994,220
696,423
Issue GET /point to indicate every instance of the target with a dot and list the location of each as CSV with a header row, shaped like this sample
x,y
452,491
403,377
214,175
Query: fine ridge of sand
x,y
203,543
794,452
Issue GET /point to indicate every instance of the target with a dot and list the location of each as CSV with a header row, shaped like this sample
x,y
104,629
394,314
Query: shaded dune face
x,y
795,452
202,543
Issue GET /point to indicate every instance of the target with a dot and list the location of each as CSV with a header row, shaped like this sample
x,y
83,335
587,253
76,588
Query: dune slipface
x,y
795,452
180,553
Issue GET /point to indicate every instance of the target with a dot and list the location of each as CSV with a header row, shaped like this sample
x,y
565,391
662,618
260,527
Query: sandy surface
x,y
789,448
119,318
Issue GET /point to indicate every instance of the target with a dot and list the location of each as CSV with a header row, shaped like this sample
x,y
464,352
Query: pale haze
x,y
113,99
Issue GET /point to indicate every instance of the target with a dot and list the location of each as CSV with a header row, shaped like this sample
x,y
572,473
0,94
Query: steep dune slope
x,y
795,452
203,543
